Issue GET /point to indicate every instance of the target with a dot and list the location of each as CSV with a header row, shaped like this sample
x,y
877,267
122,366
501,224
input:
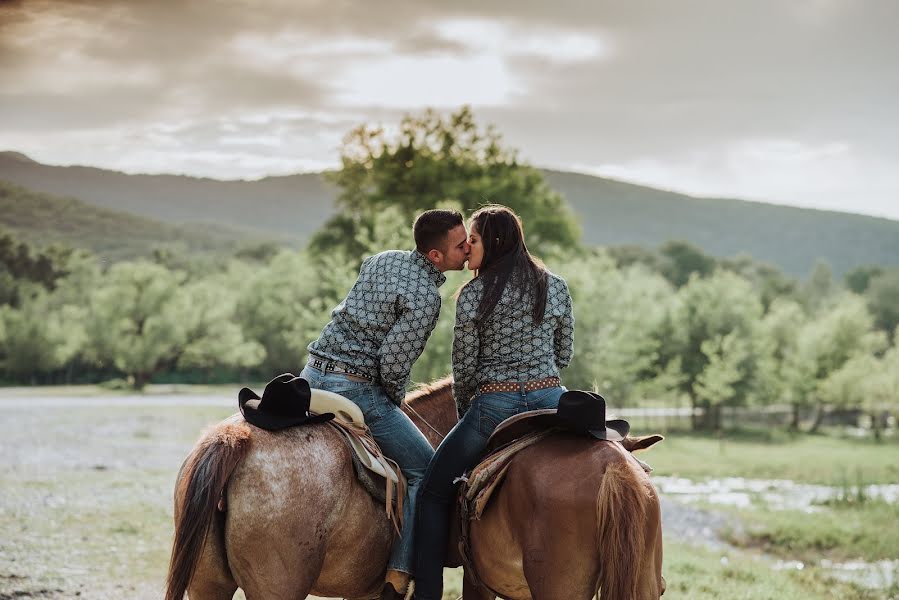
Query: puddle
x,y
778,494
881,574
877,575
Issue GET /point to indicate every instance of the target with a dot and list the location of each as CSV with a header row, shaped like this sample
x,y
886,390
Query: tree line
x,y
670,324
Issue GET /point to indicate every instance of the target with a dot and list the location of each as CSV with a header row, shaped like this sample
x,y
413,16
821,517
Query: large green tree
x,y
36,338
143,319
618,313
712,329
432,161
836,335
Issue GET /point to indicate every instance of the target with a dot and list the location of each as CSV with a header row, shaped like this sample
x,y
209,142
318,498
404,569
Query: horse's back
x,y
297,517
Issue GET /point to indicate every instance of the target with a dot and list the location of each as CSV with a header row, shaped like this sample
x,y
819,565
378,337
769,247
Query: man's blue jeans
x,y
399,439
461,450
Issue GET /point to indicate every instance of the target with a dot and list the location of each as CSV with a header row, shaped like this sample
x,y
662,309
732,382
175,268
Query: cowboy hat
x,y
581,412
284,403
586,411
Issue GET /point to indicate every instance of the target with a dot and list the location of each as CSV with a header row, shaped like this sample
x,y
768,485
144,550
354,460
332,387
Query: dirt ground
x,y
85,493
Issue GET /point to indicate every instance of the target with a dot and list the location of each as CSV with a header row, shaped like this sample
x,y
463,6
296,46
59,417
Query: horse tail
x,y
200,485
621,513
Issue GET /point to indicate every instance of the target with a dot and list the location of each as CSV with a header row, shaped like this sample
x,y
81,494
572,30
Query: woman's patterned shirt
x,y
382,325
509,346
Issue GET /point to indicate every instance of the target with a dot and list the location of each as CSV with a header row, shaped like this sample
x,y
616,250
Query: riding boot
x,y
389,593
395,586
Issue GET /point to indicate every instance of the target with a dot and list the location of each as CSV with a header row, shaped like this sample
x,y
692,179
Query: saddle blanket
x,y
486,476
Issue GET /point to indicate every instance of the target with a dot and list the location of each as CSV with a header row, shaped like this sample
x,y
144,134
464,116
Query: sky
x,y
786,102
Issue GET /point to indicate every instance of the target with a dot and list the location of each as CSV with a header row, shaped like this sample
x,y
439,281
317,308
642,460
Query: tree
x,y
35,339
831,339
22,266
787,374
617,316
144,318
858,279
768,280
865,382
682,259
436,161
284,305
819,289
716,384
882,296
712,329
627,255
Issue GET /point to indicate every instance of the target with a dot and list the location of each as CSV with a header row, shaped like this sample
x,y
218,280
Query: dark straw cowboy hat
x,y
284,403
580,412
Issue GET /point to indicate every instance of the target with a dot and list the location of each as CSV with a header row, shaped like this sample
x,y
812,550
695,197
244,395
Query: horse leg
x,y
212,580
471,591
274,573
210,590
553,574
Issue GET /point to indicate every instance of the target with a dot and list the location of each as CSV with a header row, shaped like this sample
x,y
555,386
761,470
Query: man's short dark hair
x,y
431,227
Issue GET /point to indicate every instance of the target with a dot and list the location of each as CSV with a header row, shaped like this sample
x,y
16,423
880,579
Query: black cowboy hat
x,y
581,412
586,411
284,403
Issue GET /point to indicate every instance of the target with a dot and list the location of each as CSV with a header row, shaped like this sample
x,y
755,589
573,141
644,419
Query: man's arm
x,y
404,343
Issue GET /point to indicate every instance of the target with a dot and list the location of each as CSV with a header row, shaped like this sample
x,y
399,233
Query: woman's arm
x,y
466,347
563,337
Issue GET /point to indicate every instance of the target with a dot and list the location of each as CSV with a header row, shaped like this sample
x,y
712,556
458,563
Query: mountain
x,y
794,239
610,212
42,219
293,205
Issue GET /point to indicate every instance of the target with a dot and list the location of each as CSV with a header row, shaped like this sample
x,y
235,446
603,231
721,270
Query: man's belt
x,y
335,366
520,386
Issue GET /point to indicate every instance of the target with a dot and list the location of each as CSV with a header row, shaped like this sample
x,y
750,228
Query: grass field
x,y
814,459
85,509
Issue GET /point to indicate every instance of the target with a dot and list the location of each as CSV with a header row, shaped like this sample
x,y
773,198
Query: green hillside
x,y
615,212
42,219
611,213
294,205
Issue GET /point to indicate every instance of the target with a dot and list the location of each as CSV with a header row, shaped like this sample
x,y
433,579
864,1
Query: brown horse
x,y
281,515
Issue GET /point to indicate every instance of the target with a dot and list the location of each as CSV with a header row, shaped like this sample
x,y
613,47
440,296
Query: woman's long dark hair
x,y
507,262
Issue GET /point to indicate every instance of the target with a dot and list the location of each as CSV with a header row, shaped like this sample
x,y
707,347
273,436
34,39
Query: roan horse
x,y
281,515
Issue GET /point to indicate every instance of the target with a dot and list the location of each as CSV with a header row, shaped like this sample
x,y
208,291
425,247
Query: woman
x,y
513,333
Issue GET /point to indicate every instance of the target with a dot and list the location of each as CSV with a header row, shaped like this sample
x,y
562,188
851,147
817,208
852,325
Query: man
x,y
367,351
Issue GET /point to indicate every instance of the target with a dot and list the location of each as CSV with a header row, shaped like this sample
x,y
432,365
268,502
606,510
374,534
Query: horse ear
x,y
632,444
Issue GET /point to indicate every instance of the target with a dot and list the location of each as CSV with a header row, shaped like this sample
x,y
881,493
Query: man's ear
x,y
435,255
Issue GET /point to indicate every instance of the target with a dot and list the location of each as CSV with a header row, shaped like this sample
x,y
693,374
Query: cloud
x,y
680,92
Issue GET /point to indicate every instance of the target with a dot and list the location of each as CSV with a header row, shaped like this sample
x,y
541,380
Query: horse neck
x,y
433,409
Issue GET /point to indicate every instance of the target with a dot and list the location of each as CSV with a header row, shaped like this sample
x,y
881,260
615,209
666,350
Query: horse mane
x,y
429,390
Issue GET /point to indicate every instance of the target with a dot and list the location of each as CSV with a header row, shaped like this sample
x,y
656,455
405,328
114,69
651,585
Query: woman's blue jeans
x,y
399,439
461,450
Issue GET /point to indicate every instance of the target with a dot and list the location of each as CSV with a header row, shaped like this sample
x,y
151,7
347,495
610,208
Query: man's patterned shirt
x,y
382,325
509,346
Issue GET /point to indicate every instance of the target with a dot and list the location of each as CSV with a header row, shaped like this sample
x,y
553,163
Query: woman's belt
x,y
520,386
